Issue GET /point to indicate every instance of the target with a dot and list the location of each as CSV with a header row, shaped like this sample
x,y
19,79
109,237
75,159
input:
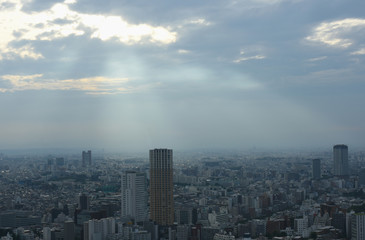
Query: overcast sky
x,y
134,75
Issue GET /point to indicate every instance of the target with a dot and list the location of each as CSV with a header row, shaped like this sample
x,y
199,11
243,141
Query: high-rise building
x,y
47,233
362,177
86,158
358,226
84,202
340,160
69,230
134,197
316,168
161,187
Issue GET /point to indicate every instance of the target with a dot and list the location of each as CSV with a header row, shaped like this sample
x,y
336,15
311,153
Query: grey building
x,y
340,160
86,158
316,168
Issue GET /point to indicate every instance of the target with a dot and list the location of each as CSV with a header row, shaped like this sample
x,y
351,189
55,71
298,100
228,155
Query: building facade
x,y
358,226
86,158
316,168
340,160
134,195
84,202
99,229
161,187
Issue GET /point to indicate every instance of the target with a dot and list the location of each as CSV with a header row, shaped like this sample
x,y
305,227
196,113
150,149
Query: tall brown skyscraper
x,y
161,187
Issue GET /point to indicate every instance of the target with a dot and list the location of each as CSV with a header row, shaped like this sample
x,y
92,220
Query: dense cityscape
x,y
182,120
196,195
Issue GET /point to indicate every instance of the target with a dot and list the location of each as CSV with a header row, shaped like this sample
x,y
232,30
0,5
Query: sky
x,y
135,75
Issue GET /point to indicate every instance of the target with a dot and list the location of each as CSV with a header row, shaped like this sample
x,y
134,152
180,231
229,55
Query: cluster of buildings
x,y
193,197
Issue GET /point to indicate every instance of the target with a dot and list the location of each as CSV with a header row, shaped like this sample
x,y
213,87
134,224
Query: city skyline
x,y
187,75
254,195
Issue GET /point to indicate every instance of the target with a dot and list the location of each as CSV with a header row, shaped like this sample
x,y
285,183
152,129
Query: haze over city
x,y
133,75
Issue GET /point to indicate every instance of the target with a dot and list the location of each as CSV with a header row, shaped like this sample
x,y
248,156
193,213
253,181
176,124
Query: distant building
x,y
185,215
7,237
340,160
69,230
13,219
84,202
338,221
47,233
358,226
223,236
362,177
316,168
86,158
134,195
247,236
60,162
99,229
161,187
300,224
182,232
207,233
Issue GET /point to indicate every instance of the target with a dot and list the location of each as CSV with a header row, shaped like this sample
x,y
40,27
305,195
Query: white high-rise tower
x,y
134,196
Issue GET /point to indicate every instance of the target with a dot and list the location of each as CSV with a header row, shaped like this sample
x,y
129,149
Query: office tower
x,y
340,160
358,226
316,168
47,233
161,187
362,177
86,158
69,230
134,195
84,203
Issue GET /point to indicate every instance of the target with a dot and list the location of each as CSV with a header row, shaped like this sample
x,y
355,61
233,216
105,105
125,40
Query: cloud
x,y
242,59
108,27
254,57
252,50
317,59
193,23
359,52
93,85
183,51
60,22
26,51
340,33
328,77
200,21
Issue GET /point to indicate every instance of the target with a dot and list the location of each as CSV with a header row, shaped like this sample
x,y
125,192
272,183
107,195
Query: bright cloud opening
x,y
359,52
337,33
92,85
60,21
